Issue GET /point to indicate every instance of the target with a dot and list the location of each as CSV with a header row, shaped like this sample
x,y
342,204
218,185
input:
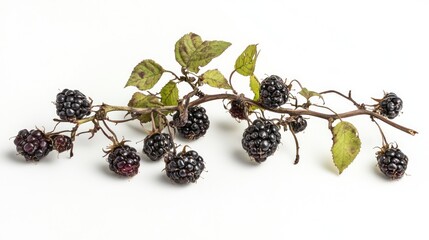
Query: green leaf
x,y
140,100
185,47
192,53
346,145
216,79
307,94
170,94
254,86
145,75
245,63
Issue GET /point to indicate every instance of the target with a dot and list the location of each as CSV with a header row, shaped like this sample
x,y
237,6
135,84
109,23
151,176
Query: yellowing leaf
x,y
216,79
245,63
140,100
346,145
145,75
192,53
254,86
170,94
308,94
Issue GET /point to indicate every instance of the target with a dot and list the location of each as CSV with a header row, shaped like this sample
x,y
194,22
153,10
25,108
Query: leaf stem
x,y
230,82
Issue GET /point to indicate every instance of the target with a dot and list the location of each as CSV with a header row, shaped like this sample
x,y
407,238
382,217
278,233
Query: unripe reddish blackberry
x,y
196,125
185,167
238,109
260,139
273,92
61,143
390,106
124,161
72,105
157,145
392,162
33,144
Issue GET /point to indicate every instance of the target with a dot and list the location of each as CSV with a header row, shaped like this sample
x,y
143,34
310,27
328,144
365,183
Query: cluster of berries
x,y
260,139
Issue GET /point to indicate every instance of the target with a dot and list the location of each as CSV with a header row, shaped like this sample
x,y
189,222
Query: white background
x,y
366,46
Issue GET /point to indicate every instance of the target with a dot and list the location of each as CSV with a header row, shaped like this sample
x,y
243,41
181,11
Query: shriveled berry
x,y
185,167
390,106
273,92
61,143
298,124
72,105
33,144
124,161
260,139
196,125
238,109
392,162
157,145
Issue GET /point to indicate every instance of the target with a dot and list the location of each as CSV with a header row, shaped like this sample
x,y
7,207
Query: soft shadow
x,y
227,126
16,158
163,179
329,165
241,157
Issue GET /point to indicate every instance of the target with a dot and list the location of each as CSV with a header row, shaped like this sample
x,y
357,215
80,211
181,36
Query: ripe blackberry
x,y
273,92
261,139
298,125
238,109
33,144
392,162
197,124
390,105
184,167
72,105
123,160
61,143
157,145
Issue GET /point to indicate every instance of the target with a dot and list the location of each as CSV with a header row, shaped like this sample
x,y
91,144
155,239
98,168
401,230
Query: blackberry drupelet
x,y
157,145
298,125
197,124
184,167
390,106
238,109
260,139
273,92
61,143
124,161
392,162
33,144
72,105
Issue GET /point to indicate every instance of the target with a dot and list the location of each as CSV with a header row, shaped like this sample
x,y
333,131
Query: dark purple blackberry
x,y
157,145
72,105
273,92
261,139
298,125
123,160
184,167
33,145
392,162
238,109
197,124
61,143
390,106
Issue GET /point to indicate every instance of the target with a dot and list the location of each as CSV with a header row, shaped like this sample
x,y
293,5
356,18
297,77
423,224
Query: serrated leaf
x,y
216,79
170,94
346,145
145,75
192,53
140,100
307,94
246,62
185,47
254,86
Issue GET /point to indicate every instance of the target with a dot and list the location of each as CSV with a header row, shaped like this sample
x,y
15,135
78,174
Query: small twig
x,y
230,81
349,97
296,146
384,141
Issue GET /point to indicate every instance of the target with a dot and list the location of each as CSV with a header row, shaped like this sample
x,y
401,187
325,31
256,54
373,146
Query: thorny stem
x,y
292,112
349,97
